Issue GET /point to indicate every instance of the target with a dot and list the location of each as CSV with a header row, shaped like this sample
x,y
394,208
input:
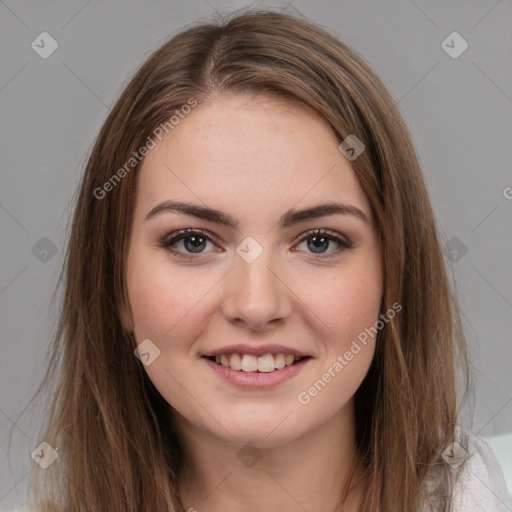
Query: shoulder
x,y
479,483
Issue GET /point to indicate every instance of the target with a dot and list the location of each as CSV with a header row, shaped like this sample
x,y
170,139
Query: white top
x,y
477,479
480,485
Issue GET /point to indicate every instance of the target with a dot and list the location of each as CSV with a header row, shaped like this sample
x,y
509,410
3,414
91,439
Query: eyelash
x,y
169,240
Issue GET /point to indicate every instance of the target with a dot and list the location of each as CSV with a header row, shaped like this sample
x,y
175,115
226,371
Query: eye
x,y
319,239
195,241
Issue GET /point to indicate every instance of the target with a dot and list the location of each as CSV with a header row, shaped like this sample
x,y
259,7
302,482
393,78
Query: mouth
x,y
249,363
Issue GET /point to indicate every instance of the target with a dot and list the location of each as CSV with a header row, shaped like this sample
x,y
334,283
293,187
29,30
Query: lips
x,y
257,379
264,358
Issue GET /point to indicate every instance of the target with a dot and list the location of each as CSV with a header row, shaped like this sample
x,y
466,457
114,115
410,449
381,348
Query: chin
x,y
262,434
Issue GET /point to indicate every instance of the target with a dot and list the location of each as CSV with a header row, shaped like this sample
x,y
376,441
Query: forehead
x,y
250,153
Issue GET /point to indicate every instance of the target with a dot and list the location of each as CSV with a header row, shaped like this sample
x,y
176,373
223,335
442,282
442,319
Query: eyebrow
x,y
289,218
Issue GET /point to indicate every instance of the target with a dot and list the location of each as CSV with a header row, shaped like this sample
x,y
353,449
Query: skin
x,y
255,158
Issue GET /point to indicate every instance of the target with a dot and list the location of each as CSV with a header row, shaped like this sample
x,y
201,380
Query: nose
x,y
256,294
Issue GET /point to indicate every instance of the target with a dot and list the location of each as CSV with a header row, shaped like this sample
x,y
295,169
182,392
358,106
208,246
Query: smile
x,y
249,363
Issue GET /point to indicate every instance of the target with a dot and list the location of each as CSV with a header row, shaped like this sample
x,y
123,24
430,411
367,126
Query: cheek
x,y
350,306
161,297
347,303
358,308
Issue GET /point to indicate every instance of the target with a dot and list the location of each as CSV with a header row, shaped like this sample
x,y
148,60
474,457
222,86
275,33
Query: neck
x,y
306,473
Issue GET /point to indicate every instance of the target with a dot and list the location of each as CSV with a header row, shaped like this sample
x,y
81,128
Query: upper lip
x,y
255,350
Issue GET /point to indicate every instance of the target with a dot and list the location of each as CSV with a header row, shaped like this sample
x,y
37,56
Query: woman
x,y
256,313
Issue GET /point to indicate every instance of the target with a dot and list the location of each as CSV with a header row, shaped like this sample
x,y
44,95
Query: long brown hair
x,y
116,449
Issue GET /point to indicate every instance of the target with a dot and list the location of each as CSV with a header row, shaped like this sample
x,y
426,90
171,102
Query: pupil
x,y
314,245
197,242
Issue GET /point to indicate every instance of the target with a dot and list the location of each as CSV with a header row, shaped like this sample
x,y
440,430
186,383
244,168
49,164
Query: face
x,y
255,270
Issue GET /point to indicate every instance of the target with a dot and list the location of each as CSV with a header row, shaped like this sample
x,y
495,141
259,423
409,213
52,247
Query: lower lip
x,y
257,379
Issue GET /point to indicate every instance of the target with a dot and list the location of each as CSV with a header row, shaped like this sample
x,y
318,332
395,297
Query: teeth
x,y
249,363
235,361
279,361
266,363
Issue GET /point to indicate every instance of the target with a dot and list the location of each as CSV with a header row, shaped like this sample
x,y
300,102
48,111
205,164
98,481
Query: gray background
x,y
459,111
